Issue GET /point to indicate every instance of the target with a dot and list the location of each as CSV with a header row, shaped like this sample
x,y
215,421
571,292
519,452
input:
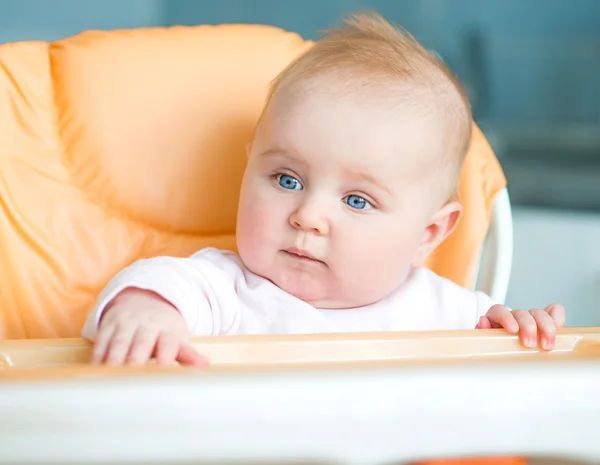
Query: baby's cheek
x,y
359,252
250,227
385,258
257,229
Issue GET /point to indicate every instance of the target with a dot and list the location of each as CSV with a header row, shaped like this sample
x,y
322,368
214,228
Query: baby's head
x,y
353,173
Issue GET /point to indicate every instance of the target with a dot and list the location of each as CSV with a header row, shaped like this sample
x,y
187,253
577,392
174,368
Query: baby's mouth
x,y
301,255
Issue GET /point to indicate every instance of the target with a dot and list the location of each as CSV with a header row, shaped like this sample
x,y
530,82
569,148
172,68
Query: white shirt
x,y
218,295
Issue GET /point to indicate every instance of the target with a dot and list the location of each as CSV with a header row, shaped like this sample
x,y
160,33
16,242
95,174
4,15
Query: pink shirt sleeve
x,y
201,287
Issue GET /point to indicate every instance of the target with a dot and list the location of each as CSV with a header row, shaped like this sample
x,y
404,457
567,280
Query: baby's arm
x,y
153,306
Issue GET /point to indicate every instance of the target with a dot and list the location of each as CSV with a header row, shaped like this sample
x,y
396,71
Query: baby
x,y
351,182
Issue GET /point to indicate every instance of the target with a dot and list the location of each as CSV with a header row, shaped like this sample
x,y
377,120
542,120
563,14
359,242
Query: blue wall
x,y
523,61
53,19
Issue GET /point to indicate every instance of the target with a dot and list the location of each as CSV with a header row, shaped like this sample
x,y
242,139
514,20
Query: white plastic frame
x,y
374,416
497,255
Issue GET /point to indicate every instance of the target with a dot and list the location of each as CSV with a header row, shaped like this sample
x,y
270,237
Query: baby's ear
x,y
441,225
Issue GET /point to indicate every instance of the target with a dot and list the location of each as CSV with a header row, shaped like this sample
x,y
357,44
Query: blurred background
x,y
532,69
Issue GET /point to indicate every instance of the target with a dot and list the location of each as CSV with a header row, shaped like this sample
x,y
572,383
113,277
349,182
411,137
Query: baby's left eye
x,y
289,182
357,202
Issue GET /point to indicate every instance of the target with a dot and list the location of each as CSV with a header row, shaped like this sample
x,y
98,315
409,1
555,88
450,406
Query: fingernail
x,y
530,342
546,344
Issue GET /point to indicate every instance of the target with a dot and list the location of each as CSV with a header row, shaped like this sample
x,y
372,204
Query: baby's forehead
x,y
349,113
391,105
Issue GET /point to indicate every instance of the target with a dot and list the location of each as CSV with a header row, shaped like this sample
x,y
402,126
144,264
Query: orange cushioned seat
x,y
127,144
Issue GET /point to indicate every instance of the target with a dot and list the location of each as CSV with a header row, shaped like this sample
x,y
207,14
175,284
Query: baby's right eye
x,y
288,182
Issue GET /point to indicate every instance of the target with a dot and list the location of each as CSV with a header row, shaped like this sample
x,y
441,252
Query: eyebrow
x,y
277,152
271,152
370,179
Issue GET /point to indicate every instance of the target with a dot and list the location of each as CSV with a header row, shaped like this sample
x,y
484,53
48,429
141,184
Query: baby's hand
x,y
527,323
138,325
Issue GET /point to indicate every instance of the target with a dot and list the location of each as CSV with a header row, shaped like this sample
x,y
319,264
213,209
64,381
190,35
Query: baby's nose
x,y
309,218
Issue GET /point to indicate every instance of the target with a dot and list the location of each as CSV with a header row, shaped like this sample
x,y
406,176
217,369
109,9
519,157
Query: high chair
x,y
126,144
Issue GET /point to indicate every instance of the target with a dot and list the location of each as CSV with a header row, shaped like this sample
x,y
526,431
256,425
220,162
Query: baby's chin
x,y
307,288
319,295
314,290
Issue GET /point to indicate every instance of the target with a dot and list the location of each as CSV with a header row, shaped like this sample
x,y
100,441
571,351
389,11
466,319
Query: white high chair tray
x,y
352,399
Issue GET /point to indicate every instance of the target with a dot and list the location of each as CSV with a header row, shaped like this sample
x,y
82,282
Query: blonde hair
x,y
368,47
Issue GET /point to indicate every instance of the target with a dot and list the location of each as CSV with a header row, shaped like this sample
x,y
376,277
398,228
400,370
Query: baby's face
x,y
335,205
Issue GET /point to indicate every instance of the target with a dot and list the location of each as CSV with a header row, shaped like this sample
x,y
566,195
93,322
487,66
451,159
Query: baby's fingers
x,y
119,345
527,328
105,334
142,346
166,348
558,314
189,356
546,327
484,323
500,316
171,349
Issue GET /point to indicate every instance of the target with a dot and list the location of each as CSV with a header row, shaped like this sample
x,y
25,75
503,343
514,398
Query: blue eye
x,y
357,202
289,182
